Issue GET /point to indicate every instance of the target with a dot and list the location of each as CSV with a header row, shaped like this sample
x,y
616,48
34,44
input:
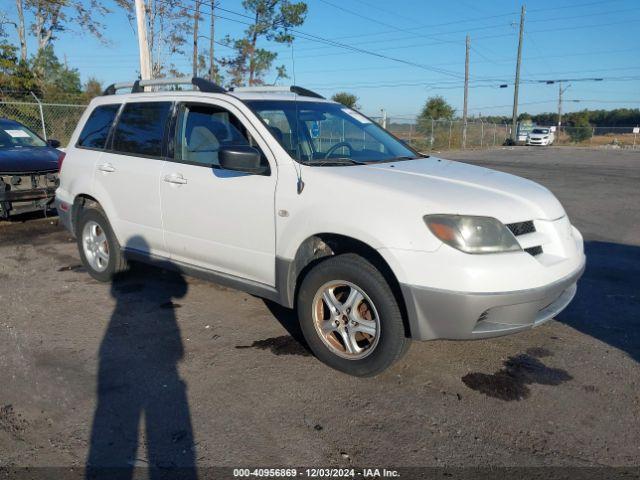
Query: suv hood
x,y
28,159
433,185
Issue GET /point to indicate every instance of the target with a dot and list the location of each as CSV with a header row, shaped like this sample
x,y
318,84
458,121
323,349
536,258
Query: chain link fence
x,y
623,137
58,120
50,120
448,134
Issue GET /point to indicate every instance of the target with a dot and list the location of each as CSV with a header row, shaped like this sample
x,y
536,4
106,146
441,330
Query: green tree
x,y
15,76
347,99
272,20
525,118
92,88
54,79
51,17
436,108
581,129
169,23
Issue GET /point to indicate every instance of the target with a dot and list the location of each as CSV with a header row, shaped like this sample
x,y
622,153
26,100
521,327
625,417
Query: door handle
x,y
106,167
175,178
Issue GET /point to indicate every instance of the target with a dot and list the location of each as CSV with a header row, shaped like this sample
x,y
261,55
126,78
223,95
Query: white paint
x,y
230,222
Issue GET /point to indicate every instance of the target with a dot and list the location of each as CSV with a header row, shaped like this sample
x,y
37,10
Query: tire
x,y
374,326
105,242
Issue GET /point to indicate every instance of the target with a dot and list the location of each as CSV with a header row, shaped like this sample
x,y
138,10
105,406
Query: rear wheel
x,y
350,316
99,249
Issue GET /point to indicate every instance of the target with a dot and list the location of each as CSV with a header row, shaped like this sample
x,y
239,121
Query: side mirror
x,y
241,158
53,143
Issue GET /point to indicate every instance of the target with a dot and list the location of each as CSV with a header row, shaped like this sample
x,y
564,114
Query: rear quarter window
x,y
96,130
140,129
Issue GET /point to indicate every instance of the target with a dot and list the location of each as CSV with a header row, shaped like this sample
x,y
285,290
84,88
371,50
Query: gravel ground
x,y
162,370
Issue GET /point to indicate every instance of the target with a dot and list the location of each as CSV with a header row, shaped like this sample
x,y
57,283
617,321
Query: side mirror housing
x,y
242,158
53,143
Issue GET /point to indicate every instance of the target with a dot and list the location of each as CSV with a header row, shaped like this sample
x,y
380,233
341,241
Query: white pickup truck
x,y
300,200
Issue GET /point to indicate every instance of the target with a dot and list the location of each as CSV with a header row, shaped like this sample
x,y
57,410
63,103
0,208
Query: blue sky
x,y
564,39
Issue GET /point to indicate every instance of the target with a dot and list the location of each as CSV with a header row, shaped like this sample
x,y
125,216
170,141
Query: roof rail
x,y
273,88
305,92
138,86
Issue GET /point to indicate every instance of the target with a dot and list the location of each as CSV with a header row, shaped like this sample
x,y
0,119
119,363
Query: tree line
x,y
172,31
619,117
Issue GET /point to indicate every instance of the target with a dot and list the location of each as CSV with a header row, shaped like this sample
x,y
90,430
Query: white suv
x,y
302,201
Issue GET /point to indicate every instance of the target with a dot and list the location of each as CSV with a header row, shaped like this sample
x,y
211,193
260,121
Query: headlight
x,y
472,234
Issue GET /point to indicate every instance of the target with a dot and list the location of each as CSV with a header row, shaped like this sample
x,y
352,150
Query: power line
x,y
574,5
320,39
353,49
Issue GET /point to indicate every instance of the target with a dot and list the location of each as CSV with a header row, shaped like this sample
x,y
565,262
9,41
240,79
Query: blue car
x,y
28,169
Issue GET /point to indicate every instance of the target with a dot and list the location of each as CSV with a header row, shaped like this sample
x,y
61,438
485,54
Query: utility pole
x,y
143,45
212,68
196,21
466,93
560,92
514,121
384,117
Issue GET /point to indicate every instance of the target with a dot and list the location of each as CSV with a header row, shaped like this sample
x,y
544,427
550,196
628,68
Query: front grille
x,y
534,251
522,228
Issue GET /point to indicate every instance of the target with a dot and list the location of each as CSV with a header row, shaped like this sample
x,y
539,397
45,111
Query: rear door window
x,y
96,130
140,129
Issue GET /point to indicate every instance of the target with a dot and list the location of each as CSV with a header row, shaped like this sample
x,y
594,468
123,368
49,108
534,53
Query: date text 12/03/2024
x,y
316,473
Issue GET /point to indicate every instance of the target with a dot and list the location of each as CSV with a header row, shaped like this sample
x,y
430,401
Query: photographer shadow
x,y
139,384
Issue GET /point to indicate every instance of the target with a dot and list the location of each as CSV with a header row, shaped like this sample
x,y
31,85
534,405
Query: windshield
x,y
540,130
14,135
319,133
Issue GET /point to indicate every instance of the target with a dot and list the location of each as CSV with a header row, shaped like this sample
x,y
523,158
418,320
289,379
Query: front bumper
x,y
533,141
34,191
454,315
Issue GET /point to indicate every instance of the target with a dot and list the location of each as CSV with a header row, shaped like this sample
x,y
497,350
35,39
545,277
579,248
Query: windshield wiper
x,y
335,162
401,158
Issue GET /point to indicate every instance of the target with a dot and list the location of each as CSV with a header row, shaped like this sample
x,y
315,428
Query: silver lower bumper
x,y
64,216
464,316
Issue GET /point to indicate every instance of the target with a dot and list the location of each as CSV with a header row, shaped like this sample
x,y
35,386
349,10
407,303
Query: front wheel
x,y
350,317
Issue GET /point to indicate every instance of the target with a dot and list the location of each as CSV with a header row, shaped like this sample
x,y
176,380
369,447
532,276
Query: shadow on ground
x,y
607,305
138,382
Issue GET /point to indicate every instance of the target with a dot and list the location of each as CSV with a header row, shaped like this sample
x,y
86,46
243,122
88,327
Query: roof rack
x,y
138,86
263,89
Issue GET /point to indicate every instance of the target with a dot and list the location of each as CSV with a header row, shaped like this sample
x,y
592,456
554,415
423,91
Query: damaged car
x,y
29,169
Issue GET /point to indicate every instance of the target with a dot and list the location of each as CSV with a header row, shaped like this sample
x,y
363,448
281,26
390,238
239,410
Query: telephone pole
x,y
212,68
143,44
514,121
196,22
560,92
466,93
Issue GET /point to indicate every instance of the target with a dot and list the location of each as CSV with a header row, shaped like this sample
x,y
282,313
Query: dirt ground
x,y
162,370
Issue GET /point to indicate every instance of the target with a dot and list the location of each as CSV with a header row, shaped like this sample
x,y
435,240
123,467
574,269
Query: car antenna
x,y
296,165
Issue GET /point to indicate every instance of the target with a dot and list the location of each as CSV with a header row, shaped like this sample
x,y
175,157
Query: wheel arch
x,y
81,202
314,249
